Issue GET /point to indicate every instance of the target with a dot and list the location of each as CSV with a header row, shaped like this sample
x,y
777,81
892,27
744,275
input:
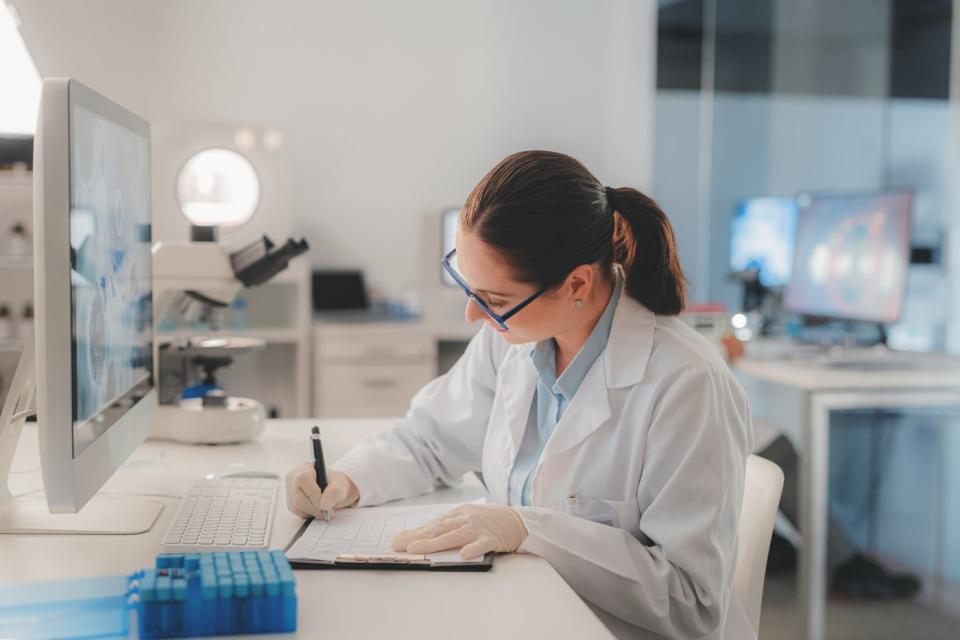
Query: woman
x,y
611,436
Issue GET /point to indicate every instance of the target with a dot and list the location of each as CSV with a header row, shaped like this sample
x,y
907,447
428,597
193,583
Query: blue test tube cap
x,y
225,586
179,589
208,584
163,588
257,586
271,584
241,586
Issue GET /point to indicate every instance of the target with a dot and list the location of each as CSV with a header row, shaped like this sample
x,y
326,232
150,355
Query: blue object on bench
x,y
200,594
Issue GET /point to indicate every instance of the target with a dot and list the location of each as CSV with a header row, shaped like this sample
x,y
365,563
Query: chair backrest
x,y
761,498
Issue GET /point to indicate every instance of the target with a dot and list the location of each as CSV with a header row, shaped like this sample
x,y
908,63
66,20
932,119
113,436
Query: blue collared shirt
x,y
552,397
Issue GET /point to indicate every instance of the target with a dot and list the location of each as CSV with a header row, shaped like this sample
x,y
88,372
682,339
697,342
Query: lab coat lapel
x,y
518,383
589,409
623,363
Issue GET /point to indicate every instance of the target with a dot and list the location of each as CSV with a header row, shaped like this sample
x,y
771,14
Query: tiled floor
x,y
851,620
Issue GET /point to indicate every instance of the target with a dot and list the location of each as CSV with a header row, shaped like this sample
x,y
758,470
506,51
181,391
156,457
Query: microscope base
x,y
240,420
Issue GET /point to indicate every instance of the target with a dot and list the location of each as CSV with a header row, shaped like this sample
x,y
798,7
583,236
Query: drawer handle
x,y
379,383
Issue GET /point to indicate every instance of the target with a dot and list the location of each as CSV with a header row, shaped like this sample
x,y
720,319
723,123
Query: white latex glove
x,y
476,528
305,499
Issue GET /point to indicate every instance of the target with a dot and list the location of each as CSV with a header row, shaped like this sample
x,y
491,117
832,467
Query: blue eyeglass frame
x,y
501,320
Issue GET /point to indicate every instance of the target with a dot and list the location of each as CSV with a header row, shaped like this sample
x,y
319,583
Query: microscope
x,y
197,281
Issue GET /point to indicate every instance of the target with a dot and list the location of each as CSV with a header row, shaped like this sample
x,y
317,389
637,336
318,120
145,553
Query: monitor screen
x,y
111,321
762,234
449,221
851,257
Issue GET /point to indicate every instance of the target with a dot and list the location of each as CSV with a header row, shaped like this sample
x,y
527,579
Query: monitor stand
x,y
27,513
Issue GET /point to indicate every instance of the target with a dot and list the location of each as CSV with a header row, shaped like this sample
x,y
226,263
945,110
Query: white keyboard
x,y
223,514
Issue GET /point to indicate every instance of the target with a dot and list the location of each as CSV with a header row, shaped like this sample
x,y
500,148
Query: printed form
x,y
368,532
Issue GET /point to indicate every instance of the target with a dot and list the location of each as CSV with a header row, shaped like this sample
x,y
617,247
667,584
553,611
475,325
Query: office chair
x,y
761,497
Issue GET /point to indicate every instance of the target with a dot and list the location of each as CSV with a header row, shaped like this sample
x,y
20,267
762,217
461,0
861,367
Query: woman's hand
x,y
305,499
477,528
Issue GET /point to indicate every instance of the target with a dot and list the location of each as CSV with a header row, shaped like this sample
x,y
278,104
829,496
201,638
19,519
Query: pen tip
x,y
315,430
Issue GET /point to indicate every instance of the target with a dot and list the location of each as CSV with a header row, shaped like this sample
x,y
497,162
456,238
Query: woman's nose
x,y
473,313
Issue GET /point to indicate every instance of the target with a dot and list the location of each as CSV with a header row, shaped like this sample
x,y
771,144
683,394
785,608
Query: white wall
x,y
390,111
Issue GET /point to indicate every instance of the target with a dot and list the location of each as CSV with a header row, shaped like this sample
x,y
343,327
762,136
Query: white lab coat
x,y
654,442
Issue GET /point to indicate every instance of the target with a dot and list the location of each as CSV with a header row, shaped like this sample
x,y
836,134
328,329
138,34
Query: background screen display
x,y
851,258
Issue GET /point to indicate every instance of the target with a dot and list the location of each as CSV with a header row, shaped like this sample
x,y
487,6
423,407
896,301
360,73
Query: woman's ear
x,y
580,282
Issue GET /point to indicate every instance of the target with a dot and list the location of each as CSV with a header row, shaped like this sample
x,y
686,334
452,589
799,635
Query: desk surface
x,y
521,597
813,375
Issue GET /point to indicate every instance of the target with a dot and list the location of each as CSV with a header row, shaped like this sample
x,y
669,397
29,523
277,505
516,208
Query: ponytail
x,y
644,243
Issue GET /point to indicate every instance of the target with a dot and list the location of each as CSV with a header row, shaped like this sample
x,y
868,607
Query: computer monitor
x,y
851,257
448,229
96,399
762,234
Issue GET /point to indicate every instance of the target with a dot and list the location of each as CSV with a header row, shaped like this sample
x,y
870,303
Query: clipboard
x,y
396,561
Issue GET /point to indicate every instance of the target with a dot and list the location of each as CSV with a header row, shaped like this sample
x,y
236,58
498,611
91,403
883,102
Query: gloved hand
x,y
305,499
477,528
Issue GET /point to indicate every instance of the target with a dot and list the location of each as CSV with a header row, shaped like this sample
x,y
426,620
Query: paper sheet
x,y
369,531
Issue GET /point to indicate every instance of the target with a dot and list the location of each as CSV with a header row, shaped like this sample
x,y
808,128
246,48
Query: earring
x,y
578,303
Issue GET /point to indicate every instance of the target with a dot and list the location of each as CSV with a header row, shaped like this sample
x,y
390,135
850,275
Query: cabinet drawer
x,y
373,344
368,390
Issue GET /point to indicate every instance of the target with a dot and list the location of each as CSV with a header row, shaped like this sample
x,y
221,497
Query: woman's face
x,y
488,275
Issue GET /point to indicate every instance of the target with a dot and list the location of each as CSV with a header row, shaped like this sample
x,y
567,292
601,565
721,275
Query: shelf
x,y
270,336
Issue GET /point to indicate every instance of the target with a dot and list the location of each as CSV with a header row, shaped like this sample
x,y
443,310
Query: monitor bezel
x,y
810,198
71,477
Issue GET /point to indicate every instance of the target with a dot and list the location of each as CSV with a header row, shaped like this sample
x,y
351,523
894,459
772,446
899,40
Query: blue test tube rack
x,y
209,594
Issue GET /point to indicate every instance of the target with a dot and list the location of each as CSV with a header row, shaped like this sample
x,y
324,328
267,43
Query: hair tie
x,y
611,194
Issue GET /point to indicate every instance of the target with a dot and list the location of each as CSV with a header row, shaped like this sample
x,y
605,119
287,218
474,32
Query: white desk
x,y
521,597
799,396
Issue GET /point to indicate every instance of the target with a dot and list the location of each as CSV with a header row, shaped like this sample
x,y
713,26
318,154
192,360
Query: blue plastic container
x,y
204,594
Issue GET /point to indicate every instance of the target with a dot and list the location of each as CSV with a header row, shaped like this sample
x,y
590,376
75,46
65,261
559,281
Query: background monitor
x,y
339,290
762,235
448,222
96,400
851,257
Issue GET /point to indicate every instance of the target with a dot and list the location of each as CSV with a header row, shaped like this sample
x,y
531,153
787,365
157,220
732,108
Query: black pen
x,y
319,466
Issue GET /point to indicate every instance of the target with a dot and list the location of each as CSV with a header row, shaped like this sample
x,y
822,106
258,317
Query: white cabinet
x,y
370,369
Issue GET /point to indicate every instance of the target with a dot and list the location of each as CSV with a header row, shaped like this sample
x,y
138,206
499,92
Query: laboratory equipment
x,y
762,235
197,281
91,361
761,254
851,257
194,408
183,595
339,290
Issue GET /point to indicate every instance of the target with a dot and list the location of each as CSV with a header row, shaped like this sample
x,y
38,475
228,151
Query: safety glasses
x,y
500,319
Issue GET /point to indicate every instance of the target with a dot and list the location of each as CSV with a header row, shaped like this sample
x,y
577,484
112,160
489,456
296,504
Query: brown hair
x,y
548,215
